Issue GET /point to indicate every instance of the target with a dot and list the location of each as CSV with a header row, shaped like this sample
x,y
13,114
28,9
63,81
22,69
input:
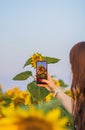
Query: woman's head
x,y
77,60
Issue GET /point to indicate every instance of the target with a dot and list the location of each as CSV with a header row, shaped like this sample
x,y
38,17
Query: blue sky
x,y
50,27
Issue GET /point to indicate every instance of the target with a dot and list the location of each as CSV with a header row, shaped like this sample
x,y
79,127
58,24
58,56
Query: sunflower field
x,y
35,108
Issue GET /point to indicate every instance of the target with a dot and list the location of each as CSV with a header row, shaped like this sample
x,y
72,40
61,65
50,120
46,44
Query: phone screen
x,y
41,71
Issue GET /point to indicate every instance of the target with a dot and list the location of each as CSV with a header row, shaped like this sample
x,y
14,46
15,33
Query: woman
x,y
75,105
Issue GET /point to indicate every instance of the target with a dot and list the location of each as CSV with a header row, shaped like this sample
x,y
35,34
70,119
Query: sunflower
x,y
34,58
9,92
26,96
56,82
48,97
33,119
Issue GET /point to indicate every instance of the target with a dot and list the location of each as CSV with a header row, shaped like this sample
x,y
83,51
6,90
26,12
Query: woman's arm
x,y
65,99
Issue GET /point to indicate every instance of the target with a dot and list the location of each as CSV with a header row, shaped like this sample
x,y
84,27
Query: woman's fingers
x,y
35,77
46,83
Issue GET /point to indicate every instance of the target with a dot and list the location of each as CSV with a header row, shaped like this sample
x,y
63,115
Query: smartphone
x,y
41,71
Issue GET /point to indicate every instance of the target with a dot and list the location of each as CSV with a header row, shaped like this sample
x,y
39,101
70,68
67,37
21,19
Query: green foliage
x,y
62,84
50,59
7,100
23,76
37,93
46,58
28,62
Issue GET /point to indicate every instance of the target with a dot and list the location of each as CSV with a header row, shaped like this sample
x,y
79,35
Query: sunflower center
x,y
33,123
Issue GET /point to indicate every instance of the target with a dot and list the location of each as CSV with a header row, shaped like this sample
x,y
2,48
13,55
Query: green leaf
x,y
51,59
7,100
62,84
37,93
28,62
23,75
48,106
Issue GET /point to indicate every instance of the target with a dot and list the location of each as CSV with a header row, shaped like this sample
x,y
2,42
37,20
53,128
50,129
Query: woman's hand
x,y
49,84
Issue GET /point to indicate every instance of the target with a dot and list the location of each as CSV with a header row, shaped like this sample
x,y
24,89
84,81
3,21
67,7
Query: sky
x,y
49,27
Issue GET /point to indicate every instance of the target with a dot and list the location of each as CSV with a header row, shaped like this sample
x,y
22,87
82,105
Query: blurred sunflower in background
x,y
56,82
33,119
48,97
23,97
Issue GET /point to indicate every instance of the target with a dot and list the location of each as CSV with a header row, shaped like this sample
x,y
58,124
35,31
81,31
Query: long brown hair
x,y
77,60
